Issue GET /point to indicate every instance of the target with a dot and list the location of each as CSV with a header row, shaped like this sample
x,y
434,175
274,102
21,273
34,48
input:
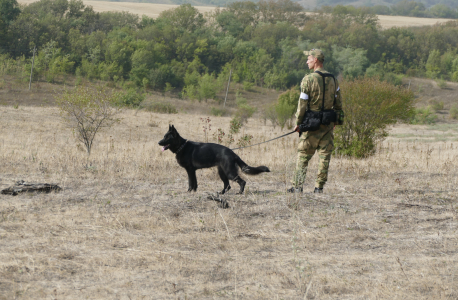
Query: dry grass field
x,y
124,226
153,10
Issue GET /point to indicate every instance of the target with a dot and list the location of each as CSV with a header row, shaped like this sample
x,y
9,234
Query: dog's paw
x,y
225,190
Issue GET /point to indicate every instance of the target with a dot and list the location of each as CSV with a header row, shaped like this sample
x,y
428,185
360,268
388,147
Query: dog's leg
x,y
230,170
241,182
192,180
223,177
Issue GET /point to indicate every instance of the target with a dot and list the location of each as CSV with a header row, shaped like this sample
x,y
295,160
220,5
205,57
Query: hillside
x,y
427,3
154,9
124,227
42,94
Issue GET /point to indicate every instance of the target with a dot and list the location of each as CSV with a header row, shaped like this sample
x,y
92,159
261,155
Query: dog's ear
x,y
170,127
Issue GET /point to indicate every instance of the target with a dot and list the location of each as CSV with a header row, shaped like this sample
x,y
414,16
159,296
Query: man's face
x,y
311,61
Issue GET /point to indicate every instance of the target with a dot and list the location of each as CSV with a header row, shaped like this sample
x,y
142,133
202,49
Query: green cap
x,y
317,53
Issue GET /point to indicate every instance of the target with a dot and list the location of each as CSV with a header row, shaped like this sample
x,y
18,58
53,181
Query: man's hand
x,y
296,128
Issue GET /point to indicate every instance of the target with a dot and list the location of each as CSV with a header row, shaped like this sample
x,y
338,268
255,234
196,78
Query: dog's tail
x,y
251,170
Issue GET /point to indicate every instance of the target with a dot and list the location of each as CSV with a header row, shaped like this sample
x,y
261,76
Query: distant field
x,y
153,10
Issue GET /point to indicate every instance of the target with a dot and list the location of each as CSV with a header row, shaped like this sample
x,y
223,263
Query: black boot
x,y
294,190
318,190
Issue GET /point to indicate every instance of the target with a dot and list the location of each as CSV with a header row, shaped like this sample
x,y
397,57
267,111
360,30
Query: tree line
x,y
191,53
403,8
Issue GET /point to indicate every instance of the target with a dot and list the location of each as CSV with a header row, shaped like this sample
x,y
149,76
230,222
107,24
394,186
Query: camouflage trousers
x,y
321,141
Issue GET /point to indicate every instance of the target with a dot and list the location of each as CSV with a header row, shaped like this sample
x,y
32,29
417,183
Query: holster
x,y
328,116
311,121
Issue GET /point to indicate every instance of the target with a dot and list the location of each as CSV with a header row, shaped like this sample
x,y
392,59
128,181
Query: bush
x,y
271,115
235,125
218,112
247,85
370,105
205,88
435,105
423,116
286,106
393,78
244,110
162,108
87,111
244,140
441,83
453,112
131,98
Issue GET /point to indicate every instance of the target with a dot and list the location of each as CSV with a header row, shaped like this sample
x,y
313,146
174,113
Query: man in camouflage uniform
x,y
321,140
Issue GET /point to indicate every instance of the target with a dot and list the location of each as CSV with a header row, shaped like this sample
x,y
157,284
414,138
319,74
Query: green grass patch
x,y
158,107
443,127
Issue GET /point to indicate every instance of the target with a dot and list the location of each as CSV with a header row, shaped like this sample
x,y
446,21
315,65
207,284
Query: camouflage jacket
x,y
312,90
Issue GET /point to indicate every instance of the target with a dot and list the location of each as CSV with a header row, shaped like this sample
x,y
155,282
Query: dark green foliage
x,y
370,106
184,52
9,11
159,77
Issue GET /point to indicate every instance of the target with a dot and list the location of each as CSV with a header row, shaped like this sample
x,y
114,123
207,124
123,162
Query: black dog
x,y
193,156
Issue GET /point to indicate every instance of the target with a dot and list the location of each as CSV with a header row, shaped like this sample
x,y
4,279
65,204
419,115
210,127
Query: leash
x,y
265,141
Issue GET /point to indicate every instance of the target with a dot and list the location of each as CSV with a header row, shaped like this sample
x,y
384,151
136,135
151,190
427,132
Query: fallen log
x,y
27,187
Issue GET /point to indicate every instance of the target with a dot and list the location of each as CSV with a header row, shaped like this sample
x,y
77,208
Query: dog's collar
x,y
182,146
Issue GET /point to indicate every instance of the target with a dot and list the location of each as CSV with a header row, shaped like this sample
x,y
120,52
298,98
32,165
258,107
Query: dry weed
x,y
124,227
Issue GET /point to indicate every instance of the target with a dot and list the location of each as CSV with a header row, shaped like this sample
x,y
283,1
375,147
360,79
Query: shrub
x,y
162,108
247,85
286,106
435,105
217,111
271,115
453,112
131,98
370,105
219,135
244,110
441,83
201,87
87,111
423,116
244,140
235,125
393,78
